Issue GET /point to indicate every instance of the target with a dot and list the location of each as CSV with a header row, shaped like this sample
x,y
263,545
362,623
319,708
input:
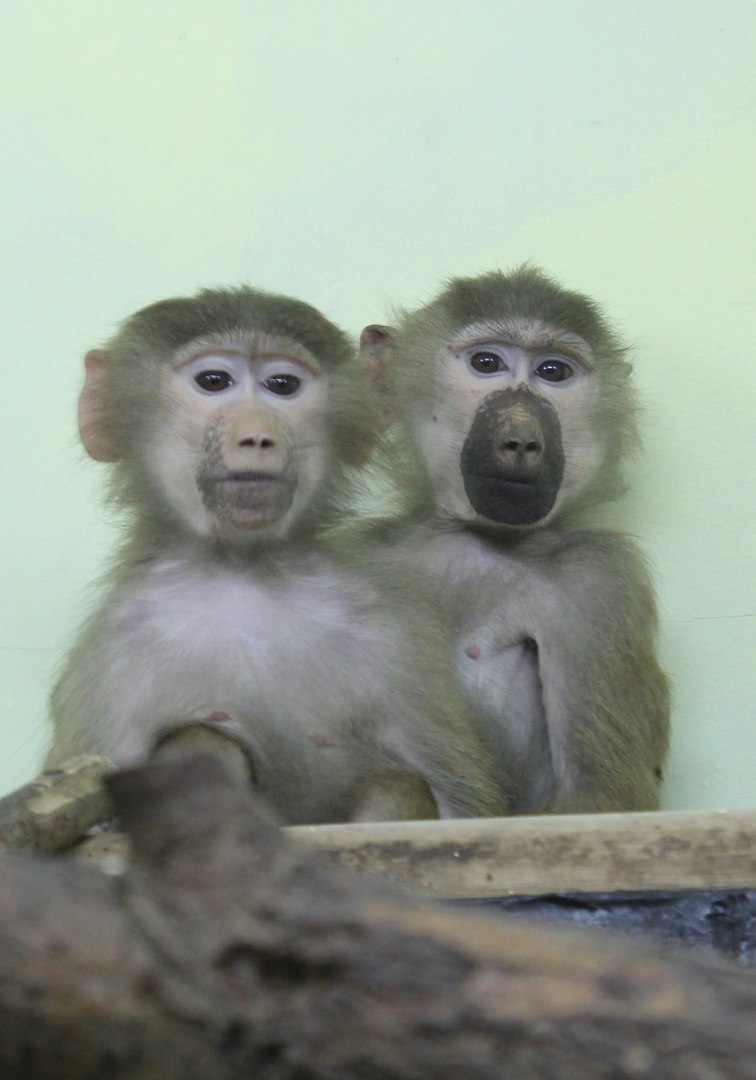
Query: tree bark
x,y
224,952
56,808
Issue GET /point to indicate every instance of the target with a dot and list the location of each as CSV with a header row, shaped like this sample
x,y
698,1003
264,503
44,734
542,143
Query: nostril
x,y
520,448
264,443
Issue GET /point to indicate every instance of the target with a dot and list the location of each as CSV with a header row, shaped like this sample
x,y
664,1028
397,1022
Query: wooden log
x,y
56,808
560,853
497,857
223,952
59,807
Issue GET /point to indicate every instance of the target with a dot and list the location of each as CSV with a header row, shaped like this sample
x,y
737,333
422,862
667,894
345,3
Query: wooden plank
x,y
564,853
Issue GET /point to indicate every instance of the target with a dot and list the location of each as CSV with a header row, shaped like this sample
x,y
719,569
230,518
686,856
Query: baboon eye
x,y
213,382
282,384
554,369
486,362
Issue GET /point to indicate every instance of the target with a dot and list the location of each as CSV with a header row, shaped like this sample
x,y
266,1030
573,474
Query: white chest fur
x,y
187,641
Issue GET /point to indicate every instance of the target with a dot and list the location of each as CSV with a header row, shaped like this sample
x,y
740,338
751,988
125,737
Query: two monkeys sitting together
x,y
373,570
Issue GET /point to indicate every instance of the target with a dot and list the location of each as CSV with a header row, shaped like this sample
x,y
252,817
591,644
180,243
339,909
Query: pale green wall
x,y
356,154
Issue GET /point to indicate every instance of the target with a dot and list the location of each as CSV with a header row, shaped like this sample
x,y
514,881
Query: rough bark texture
x,y
223,953
54,810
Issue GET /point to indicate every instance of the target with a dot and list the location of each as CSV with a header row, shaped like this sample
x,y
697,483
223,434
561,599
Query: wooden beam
x,y
530,855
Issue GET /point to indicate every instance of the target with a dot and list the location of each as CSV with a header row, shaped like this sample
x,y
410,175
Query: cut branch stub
x,y
56,808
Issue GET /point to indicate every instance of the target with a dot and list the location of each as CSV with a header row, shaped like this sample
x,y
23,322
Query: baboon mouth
x,y
510,500
246,478
248,498
503,480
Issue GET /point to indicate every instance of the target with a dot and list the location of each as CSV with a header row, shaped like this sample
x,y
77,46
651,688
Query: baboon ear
x,y
377,346
93,409
377,350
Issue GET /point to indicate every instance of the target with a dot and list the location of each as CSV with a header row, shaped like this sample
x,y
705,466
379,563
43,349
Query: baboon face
x,y
508,431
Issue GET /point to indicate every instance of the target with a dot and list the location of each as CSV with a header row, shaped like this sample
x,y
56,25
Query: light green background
x,y
356,154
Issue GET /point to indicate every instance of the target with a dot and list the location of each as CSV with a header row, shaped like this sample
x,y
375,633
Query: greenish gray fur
x,y
339,684
579,722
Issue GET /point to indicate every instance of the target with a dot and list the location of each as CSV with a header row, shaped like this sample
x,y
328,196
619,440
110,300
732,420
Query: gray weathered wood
x,y
570,853
224,953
